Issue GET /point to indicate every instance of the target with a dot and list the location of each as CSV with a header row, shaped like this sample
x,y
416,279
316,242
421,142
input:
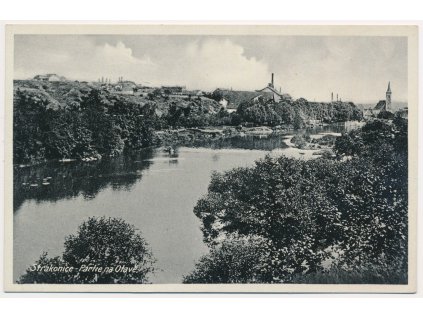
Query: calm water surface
x,y
151,189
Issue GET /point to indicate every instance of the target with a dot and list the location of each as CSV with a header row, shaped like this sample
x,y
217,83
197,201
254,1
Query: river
x,y
150,189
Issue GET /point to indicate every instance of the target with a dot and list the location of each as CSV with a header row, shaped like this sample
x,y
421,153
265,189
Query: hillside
x,y
62,120
63,94
65,119
235,98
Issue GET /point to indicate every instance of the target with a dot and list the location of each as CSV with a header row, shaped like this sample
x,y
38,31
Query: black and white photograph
x,y
218,158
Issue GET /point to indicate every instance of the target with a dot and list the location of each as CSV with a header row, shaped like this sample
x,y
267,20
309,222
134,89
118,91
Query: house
x,y
380,106
145,90
259,99
49,78
403,113
232,99
224,102
368,113
270,88
173,90
125,87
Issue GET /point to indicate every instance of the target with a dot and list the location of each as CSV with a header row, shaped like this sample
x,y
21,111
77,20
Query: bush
x,y
301,141
351,214
234,261
96,123
372,275
109,244
296,113
384,114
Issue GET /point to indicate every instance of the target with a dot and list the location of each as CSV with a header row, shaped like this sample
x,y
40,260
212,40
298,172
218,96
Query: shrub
x,y
107,243
352,214
234,261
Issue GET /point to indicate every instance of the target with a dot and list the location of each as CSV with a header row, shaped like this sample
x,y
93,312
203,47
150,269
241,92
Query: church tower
x,y
388,98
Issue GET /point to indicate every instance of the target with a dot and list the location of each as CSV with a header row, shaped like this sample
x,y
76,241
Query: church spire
x,y
388,98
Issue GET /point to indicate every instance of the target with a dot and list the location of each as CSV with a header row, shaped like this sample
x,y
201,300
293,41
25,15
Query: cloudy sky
x,y
357,68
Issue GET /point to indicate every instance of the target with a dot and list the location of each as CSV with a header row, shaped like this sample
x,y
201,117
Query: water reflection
x,y
56,181
158,189
266,143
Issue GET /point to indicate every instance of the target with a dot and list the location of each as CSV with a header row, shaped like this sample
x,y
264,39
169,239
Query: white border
x,y
341,30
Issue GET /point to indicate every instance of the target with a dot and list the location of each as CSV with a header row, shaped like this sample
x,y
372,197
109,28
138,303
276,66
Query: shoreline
x,y
186,136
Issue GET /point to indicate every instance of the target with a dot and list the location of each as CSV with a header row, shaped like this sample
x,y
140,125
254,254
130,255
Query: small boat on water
x,y
88,159
170,150
66,160
263,131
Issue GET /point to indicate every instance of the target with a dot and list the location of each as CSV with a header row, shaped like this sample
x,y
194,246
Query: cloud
x,y
78,58
203,64
118,60
358,68
221,63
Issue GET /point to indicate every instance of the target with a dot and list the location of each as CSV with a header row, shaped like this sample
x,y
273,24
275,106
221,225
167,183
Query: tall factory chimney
x,y
272,80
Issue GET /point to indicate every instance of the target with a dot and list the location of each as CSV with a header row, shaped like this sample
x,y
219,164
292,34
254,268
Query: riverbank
x,y
311,138
187,136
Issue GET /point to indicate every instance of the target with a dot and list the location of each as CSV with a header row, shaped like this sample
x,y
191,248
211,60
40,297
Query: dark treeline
x,y
74,120
96,124
296,113
341,220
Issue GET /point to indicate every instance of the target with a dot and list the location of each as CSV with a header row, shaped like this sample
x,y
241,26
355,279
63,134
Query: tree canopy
x,y
114,250
315,215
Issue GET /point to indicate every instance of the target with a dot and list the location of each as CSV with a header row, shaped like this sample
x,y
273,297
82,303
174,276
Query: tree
x,y
30,121
113,249
234,261
349,144
307,212
282,200
385,114
298,121
90,124
36,274
217,95
174,114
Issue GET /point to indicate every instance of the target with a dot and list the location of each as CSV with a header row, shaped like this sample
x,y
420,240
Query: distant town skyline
x,y
356,68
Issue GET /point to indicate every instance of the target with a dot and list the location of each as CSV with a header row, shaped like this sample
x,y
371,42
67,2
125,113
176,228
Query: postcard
x,y
211,158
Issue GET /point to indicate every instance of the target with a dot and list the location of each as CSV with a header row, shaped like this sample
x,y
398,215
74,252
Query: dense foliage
x,y
109,244
234,261
314,216
84,122
296,113
96,124
61,120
